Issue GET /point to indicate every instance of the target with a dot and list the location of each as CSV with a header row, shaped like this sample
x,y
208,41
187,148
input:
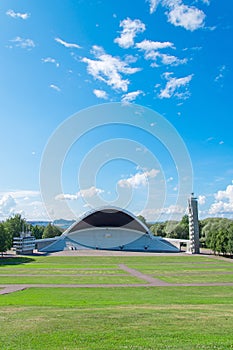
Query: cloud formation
x,y
153,5
152,52
109,69
223,202
149,45
23,43
130,29
207,2
167,60
14,14
86,193
7,205
176,211
50,60
174,85
188,17
66,44
139,179
55,87
181,15
201,200
100,94
131,96
219,78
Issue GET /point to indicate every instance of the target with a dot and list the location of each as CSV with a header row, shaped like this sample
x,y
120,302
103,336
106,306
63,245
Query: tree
x,y
37,231
5,239
182,229
170,227
158,229
142,219
51,231
218,233
15,225
230,240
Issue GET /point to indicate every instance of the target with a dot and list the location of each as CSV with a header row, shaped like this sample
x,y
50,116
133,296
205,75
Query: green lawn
x,y
117,318
69,280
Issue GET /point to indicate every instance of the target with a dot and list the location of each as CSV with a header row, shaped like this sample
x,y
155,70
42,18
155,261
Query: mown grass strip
x,y
95,297
127,327
69,280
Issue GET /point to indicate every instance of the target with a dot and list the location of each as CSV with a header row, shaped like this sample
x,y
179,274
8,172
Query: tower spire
x,y
193,225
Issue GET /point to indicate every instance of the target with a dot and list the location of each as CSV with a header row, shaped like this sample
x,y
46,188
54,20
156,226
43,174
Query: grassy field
x,y
117,318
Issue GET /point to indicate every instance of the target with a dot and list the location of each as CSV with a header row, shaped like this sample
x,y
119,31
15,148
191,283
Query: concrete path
x,y
11,288
18,287
149,281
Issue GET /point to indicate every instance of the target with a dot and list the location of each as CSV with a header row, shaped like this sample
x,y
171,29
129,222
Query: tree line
x,y
14,225
215,233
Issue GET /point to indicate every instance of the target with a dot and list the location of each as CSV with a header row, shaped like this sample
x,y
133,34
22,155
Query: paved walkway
x,y
17,287
10,288
150,282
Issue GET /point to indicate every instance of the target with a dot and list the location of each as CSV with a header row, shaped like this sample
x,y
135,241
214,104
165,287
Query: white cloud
x,y
131,96
153,5
170,179
149,45
172,60
68,45
179,14
219,78
23,43
14,14
130,59
90,192
227,194
188,17
176,211
109,69
100,94
201,199
22,202
172,209
21,194
139,179
55,87
223,202
207,2
50,60
66,196
7,205
87,193
130,29
167,60
151,49
173,85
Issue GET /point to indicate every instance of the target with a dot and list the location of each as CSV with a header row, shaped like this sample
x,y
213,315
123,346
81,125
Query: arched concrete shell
x,y
110,229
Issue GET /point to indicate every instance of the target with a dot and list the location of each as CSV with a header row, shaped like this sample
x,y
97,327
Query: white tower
x,y
193,225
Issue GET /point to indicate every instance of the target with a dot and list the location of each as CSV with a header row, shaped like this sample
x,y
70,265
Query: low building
x,y
24,244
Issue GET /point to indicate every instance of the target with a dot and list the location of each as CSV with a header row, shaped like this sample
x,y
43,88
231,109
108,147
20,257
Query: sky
x,y
125,103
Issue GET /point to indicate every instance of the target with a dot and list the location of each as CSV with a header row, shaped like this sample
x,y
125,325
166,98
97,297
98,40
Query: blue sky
x,y
60,58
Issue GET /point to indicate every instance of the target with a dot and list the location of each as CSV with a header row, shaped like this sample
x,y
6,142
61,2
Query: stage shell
x,y
108,228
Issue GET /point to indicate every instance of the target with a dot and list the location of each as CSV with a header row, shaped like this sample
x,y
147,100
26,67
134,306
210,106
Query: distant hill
x,y
62,223
39,223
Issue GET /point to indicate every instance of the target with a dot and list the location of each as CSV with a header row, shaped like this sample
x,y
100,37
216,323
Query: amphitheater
x,y
107,228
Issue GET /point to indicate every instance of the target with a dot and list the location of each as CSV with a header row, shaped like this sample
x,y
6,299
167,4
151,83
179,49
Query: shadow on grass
x,y
15,260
